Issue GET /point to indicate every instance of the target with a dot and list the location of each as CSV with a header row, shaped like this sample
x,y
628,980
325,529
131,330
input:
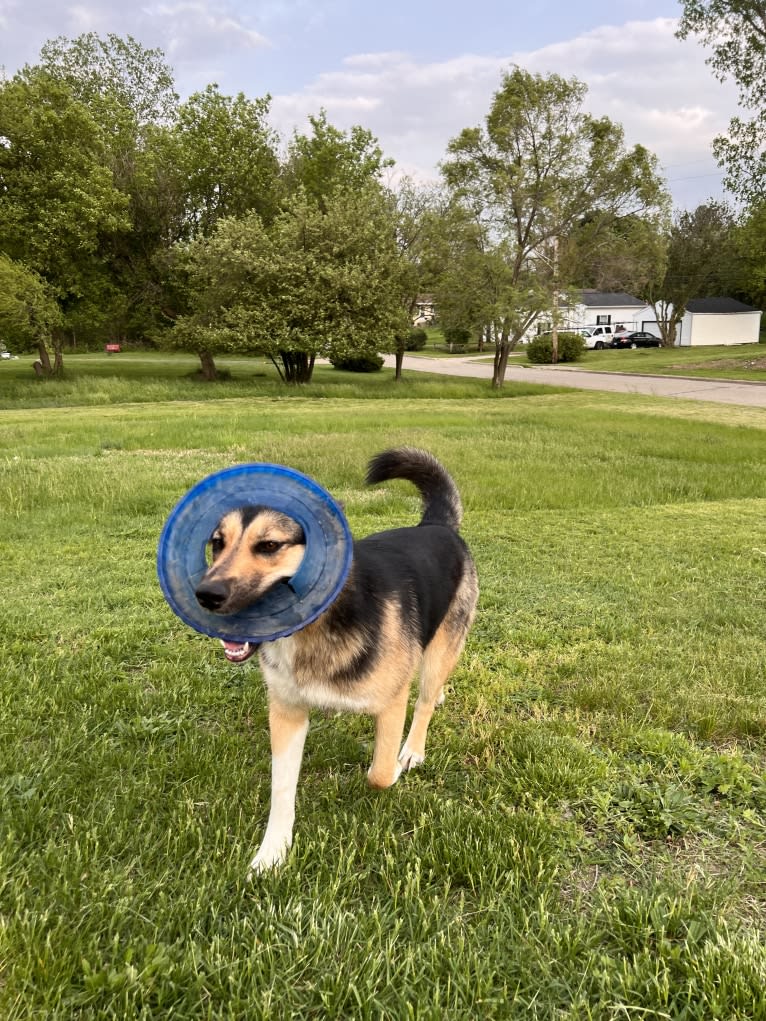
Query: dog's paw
x,y
440,698
269,856
382,782
409,759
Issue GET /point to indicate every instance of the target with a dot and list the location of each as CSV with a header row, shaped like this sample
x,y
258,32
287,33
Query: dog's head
x,y
252,549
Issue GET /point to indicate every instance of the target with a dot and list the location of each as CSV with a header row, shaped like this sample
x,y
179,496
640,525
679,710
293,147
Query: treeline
x,y
130,216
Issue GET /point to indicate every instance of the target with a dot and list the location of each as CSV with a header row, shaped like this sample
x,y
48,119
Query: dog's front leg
x,y
288,726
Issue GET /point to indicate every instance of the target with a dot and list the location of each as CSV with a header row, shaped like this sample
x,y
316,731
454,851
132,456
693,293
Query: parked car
x,y
597,337
638,338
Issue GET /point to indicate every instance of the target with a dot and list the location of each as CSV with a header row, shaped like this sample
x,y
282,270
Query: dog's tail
x,y
441,500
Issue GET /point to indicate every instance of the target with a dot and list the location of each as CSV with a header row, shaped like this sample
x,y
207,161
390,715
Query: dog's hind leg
x,y
389,727
288,726
439,660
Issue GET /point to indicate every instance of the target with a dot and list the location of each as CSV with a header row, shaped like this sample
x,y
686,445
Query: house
x,y
605,308
595,308
424,311
709,321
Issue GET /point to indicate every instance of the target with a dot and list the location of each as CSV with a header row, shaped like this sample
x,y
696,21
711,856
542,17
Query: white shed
x,y
711,321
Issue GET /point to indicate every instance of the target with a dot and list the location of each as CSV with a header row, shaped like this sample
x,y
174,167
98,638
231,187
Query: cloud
x,y
638,74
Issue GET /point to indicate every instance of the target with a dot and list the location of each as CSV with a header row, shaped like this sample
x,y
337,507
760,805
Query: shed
x,y
712,321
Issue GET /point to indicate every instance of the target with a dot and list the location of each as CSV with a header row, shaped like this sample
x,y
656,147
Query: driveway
x,y
687,388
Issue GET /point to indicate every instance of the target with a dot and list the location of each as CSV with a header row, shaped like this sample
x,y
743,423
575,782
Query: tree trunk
x,y
501,362
58,361
207,366
399,355
298,366
45,360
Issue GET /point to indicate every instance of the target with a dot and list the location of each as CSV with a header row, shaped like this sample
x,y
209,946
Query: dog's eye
x,y
216,545
267,546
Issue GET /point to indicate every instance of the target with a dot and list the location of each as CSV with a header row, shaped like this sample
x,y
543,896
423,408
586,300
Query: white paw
x,y
409,759
270,854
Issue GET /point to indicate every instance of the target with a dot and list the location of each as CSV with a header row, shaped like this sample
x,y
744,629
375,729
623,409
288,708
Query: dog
x,y
408,602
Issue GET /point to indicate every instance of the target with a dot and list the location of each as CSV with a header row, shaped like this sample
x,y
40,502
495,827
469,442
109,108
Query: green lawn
x,y
587,836
743,361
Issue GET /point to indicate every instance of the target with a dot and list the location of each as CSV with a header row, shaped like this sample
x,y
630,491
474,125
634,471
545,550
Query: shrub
x,y
416,340
571,348
358,363
457,337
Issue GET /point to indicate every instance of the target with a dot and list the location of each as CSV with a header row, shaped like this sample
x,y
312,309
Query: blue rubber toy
x,y
181,559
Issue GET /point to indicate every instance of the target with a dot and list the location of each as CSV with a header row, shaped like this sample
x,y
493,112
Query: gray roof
x,y
610,299
719,305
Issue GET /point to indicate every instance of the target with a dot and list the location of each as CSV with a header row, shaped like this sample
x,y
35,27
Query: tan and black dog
x,y
408,602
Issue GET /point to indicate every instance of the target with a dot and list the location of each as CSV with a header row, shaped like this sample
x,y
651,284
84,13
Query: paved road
x,y
719,390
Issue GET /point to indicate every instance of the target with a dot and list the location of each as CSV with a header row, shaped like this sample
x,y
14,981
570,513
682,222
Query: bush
x,y
457,337
358,363
416,340
571,348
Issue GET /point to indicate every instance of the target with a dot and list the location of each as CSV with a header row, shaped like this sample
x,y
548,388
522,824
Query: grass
x,y
743,361
586,838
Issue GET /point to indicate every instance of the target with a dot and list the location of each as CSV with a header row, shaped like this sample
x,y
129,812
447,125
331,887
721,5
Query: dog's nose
x,y
211,595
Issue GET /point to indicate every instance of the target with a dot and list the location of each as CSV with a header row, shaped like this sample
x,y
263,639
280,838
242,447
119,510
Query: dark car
x,y
638,338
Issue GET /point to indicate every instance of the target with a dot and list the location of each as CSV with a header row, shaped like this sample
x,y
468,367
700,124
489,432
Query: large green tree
x,y
529,177
735,30
227,156
29,313
328,161
58,199
312,283
700,261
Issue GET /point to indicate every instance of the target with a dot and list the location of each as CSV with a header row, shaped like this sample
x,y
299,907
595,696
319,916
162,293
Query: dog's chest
x,y
277,661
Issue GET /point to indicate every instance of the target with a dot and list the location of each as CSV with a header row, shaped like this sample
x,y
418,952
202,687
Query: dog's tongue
x,y
238,652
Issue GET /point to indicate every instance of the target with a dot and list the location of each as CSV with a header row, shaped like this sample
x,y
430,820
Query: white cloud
x,y
638,74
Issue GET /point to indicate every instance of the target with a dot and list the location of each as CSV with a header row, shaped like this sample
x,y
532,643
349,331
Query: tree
x,y
330,161
418,211
310,284
700,260
228,158
57,194
29,313
128,92
114,73
538,167
736,32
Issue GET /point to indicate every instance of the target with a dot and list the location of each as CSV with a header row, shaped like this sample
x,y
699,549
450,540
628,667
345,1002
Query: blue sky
x,y
415,73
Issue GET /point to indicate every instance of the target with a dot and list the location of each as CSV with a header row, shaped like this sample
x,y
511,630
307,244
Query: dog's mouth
x,y
238,652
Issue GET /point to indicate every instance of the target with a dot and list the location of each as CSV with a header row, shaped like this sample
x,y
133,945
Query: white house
x,y
605,308
596,308
709,321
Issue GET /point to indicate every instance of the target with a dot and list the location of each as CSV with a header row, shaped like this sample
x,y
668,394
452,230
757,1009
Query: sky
x,y
416,72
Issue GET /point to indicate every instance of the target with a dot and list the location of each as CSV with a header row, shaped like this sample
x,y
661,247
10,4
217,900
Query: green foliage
x,y
29,312
312,283
571,347
735,30
457,337
700,261
331,162
416,340
531,175
57,194
227,159
360,363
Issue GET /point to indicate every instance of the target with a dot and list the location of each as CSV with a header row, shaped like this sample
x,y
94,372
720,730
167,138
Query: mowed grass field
x,y
587,836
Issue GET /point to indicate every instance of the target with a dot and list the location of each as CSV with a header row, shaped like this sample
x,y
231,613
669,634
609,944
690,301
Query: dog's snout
x,y
211,595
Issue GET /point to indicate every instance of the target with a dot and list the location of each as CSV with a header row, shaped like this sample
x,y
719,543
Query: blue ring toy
x,y
181,559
